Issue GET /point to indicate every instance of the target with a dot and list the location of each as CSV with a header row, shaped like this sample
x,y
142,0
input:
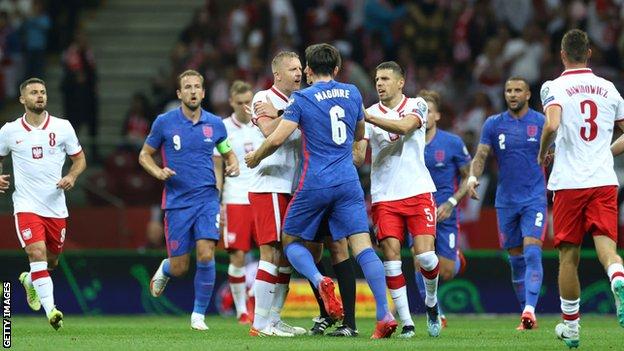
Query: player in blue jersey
x,y
514,136
448,162
330,116
186,138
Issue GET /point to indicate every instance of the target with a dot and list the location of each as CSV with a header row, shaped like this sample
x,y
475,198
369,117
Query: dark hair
x,y
575,44
393,66
30,81
188,73
520,79
322,58
432,97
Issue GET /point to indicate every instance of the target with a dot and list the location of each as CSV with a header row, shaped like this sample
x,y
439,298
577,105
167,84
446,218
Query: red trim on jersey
x,y
47,121
306,161
25,125
236,123
576,71
163,202
76,154
381,108
279,93
402,105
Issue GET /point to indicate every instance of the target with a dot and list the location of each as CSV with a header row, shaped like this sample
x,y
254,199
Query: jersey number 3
x,y
588,107
339,128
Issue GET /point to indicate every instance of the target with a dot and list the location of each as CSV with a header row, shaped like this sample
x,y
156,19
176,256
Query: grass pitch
x,y
173,333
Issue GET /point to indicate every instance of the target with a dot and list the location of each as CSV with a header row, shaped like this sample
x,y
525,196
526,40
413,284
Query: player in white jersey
x,y
402,189
581,110
269,194
39,144
236,211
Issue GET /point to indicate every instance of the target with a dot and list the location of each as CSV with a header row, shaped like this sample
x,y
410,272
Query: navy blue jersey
x,y
516,143
187,149
445,154
327,113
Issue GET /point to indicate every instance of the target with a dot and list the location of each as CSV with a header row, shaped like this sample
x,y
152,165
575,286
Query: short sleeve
x,y
293,111
72,145
550,95
486,132
222,132
258,97
4,141
619,109
419,108
357,98
155,137
461,156
368,131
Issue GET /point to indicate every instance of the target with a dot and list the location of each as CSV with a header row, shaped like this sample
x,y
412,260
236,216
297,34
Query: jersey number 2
x,y
339,128
589,107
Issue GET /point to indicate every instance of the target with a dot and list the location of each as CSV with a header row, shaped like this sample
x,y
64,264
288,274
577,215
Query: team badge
x,y
37,152
439,156
532,132
26,234
207,131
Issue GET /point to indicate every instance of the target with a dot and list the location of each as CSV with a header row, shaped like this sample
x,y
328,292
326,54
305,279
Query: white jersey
x,y
398,168
590,106
244,138
276,173
38,155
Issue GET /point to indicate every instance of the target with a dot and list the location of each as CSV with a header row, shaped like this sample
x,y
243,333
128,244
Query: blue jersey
x,y
187,149
445,154
327,113
516,144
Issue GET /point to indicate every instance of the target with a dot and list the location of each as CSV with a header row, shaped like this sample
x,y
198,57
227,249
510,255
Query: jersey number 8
x,y
339,128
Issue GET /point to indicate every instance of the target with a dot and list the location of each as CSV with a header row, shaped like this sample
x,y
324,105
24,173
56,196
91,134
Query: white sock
x,y
236,278
615,272
264,290
396,284
43,285
429,267
570,310
281,292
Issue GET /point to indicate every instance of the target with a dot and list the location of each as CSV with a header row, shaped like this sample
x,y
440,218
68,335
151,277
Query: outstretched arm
x,y
401,126
272,142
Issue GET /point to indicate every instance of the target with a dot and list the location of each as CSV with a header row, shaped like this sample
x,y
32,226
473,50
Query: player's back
x,y
590,106
327,113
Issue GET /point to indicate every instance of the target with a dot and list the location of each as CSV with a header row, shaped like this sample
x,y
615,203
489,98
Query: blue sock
x,y
204,284
301,258
420,284
165,268
534,273
375,275
457,266
518,269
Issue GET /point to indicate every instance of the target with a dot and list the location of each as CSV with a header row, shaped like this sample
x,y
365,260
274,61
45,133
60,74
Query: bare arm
x,y
217,159
79,164
476,169
617,147
231,164
4,178
401,126
272,142
446,208
359,152
553,119
146,160
268,117
267,124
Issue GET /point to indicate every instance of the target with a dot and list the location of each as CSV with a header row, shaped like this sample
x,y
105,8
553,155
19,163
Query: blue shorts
x,y
184,226
514,224
343,205
446,239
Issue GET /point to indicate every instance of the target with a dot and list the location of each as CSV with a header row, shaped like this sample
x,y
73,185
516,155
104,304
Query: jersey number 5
x,y
589,107
339,128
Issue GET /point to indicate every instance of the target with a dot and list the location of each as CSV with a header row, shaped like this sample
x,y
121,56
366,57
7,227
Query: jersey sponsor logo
x,y
26,234
37,152
532,132
439,156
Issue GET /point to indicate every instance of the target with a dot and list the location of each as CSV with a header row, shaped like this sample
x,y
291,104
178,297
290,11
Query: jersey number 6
x,y
339,128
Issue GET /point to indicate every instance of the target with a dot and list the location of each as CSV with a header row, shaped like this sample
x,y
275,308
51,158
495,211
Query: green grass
x,y
174,333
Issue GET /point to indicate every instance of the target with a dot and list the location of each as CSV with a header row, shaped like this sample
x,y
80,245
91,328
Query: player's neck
x,y
392,103
282,89
241,119
35,119
431,132
192,115
318,79
574,66
519,114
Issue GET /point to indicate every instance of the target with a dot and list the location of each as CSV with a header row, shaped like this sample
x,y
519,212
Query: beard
x,y
518,107
191,106
36,109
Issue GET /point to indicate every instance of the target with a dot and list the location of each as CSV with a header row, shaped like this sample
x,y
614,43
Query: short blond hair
x,y
239,87
279,58
190,73
432,97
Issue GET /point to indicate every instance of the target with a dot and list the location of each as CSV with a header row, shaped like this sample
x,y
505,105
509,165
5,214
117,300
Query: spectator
x,y
34,31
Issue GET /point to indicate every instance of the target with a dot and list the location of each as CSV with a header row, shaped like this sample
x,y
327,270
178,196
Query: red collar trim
x,y
279,94
397,108
28,126
236,123
576,71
